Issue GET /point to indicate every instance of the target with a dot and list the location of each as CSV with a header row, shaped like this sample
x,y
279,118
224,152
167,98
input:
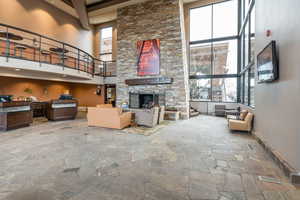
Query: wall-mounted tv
x,y
267,64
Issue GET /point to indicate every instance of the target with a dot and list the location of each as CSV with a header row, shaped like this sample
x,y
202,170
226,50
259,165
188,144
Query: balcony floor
x,y
194,159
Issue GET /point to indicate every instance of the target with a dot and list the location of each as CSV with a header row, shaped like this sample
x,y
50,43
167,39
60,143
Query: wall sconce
x,y
98,90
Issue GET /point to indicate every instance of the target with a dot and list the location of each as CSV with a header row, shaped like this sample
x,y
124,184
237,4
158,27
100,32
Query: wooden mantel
x,y
149,81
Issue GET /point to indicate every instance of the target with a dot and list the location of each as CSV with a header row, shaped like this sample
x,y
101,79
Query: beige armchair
x,y
241,125
146,117
108,118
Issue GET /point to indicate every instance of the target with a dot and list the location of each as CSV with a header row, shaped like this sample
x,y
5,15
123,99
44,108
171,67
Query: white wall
x,y
40,17
277,109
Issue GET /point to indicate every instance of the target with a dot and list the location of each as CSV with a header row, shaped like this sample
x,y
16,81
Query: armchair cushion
x,y
243,114
104,106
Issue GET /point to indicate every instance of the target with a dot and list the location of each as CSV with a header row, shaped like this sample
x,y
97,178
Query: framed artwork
x,y
148,57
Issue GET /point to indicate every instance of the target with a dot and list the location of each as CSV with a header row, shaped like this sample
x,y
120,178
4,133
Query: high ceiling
x,y
95,11
92,5
89,2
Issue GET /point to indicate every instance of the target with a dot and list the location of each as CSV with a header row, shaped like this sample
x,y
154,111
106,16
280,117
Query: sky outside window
x,y
213,21
106,44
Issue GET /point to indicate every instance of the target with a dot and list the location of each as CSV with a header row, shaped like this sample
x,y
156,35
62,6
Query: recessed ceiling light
x,y
17,69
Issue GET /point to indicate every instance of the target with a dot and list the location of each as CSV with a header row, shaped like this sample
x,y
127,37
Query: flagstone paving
x,y
197,159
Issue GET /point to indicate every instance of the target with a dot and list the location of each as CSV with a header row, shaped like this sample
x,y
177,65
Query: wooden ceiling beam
x,y
104,4
80,8
68,2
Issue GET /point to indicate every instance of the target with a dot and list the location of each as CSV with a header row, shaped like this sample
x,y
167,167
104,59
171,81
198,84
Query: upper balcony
x,y
27,54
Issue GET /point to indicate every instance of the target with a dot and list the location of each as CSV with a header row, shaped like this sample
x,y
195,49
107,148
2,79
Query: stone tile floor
x,y
193,160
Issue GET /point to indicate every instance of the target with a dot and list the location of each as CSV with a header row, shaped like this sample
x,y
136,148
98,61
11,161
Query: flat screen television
x,y
267,64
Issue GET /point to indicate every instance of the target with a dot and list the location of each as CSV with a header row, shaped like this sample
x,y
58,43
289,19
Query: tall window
x,y
214,52
252,85
247,54
106,44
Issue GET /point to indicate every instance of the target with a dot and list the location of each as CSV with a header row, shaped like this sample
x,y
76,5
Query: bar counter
x,y
61,110
15,114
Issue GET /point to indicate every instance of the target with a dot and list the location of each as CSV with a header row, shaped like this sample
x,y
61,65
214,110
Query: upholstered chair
x,y
241,125
146,117
108,117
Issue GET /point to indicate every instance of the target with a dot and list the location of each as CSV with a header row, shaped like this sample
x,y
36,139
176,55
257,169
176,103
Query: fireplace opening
x,y
145,100
148,100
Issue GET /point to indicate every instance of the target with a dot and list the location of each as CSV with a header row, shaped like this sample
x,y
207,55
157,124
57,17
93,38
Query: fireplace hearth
x,y
146,100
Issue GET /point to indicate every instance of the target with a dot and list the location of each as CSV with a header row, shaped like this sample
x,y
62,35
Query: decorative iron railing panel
x,y
23,44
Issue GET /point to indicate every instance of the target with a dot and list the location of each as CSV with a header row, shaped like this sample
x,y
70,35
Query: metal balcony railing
x,y
23,44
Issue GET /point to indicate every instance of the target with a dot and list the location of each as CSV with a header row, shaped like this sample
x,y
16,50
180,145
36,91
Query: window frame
x,y
100,42
245,69
211,41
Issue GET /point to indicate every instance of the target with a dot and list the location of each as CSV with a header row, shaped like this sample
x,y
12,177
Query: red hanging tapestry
x,y
148,57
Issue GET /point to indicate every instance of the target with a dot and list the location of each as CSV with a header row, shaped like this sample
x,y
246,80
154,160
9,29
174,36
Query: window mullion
x,y
249,86
212,52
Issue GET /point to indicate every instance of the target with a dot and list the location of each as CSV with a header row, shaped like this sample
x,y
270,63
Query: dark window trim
x,y
210,4
214,76
242,53
212,52
235,37
244,22
238,52
247,67
246,90
253,108
243,76
249,87
213,101
243,86
245,70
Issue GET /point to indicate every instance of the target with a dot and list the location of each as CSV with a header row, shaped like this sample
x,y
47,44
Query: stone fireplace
x,y
144,21
146,100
